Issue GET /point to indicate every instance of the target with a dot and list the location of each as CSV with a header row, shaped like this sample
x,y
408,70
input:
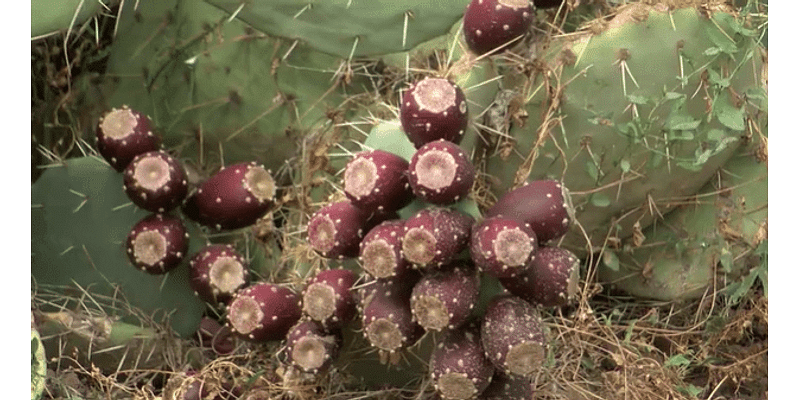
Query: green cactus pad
x,y
632,117
80,219
52,16
348,28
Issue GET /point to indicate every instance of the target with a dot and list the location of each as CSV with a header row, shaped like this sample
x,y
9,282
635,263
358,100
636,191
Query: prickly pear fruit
x,y
235,197
263,312
157,243
312,348
329,298
218,271
433,109
381,250
122,134
335,230
155,181
550,279
508,387
434,236
376,181
512,335
441,173
503,247
386,315
444,298
459,367
494,25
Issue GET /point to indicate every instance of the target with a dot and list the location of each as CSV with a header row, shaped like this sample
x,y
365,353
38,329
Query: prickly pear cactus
x,y
80,219
641,110
347,28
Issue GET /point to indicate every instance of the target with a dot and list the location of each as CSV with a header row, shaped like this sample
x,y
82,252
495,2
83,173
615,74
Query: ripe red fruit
x,y
549,280
329,299
544,204
441,172
380,252
513,336
502,247
124,133
508,387
435,236
217,272
444,298
336,230
376,181
494,25
155,181
386,316
458,365
263,312
433,109
157,243
235,197
312,348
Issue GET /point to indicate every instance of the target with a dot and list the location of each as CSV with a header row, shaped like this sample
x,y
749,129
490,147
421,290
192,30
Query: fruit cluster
x,y
423,272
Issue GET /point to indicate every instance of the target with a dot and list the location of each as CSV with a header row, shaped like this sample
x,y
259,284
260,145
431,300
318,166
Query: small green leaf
x,y
673,95
600,200
611,260
717,79
625,165
682,122
712,51
591,169
727,114
637,99
681,135
726,259
678,360
720,39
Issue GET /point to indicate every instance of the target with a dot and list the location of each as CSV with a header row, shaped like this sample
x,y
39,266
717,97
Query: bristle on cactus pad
x,y
263,312
157,243
376,181
443,298
459,368
329,299
545,205
503,247
513,336
336,230
380,252
549,280
494,25
433,109
441,173
124,133
218,271
155,181
434,236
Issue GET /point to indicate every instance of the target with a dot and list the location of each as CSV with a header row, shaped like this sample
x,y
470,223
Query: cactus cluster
x,y
461,220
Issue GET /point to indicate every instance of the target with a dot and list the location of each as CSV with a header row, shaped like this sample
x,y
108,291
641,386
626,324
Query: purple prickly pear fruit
x,y
157,243
124,133
329,298
235,197
513,336
263,312
502,247
376,181
544,204
441,173
386,315
380,252
434,236
549,280
444,298
336,230
459,367
434,109
217,272
494,25
310,347
508,387
155,181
